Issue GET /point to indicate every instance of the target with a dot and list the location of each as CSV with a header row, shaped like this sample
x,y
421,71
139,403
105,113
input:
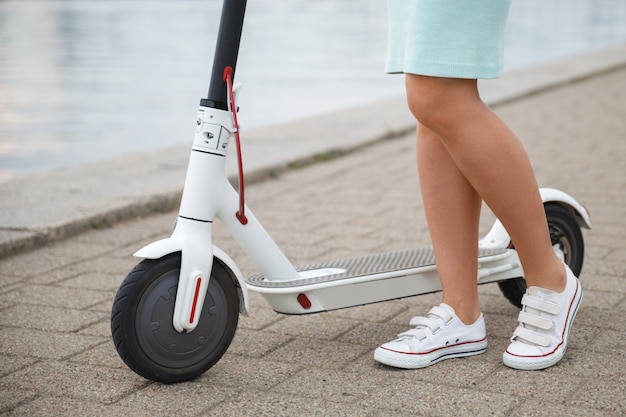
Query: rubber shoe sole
x,y
421,360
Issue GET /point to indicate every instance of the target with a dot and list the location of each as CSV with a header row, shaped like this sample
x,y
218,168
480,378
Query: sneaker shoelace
x,y
432,321
533,304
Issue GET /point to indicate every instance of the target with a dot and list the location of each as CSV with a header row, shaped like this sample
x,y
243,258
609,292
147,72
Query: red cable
x,y
228,78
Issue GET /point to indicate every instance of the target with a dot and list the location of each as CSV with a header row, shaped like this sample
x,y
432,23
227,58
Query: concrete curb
x,y
47,207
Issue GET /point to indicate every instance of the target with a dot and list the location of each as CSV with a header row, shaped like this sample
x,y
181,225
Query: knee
x,y
424,107
437,103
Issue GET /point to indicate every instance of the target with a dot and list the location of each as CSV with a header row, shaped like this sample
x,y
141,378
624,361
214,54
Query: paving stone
x,y
110,264
604,396
47,318
378,312
261,403
45,406
255,344
589,364
10,364
315,326
605,283
248,373
56,296
184,399
596,316
332,384
7,280
583,337
317,353
104,306
610,341
43,344
601,299
103,354
84,382
94,281
541,386
101,328
12,398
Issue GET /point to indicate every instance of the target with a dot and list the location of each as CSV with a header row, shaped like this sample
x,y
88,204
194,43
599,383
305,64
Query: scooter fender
x,y
551,195
160,248
499,238
169,245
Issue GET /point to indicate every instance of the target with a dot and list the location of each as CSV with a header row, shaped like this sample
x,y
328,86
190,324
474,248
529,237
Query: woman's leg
x,y
489,156
452,209
466,151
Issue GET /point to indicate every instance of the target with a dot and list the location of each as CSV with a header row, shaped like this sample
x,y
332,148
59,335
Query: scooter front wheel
x,y
142,329
567,239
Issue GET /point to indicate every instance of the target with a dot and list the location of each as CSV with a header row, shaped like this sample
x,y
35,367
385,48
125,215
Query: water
x,y
81,81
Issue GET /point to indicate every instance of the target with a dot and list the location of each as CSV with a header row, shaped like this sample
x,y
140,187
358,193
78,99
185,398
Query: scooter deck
x,y
369,279
381,263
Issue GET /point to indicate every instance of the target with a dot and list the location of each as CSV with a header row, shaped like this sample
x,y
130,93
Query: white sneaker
x,y
440,335
540,339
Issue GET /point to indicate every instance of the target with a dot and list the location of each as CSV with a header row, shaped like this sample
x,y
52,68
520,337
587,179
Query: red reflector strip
x,y
304,301
195,300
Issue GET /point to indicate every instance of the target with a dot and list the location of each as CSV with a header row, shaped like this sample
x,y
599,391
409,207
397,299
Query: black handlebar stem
x,y
226,52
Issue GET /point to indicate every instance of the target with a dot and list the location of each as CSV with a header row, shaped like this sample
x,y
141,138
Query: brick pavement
x,y
57,357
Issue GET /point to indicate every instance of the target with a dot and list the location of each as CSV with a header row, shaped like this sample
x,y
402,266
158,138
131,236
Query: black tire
x,y
564,232
142,329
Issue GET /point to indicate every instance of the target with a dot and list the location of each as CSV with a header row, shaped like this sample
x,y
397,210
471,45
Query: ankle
x,y
553,279
468,313
469,318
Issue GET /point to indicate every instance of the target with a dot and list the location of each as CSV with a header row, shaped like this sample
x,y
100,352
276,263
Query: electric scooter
x,y
175,314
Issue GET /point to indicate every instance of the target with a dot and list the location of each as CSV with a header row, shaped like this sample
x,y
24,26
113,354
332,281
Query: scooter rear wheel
x,y
566,237
142,329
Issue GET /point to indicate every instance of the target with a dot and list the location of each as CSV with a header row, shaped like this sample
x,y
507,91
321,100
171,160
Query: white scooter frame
x,y
332,285
175,346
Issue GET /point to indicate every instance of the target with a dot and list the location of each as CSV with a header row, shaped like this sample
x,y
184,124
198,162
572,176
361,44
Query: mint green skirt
x,y
447,38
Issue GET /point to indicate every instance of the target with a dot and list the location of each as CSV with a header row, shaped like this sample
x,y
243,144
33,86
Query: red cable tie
x,y
228,78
